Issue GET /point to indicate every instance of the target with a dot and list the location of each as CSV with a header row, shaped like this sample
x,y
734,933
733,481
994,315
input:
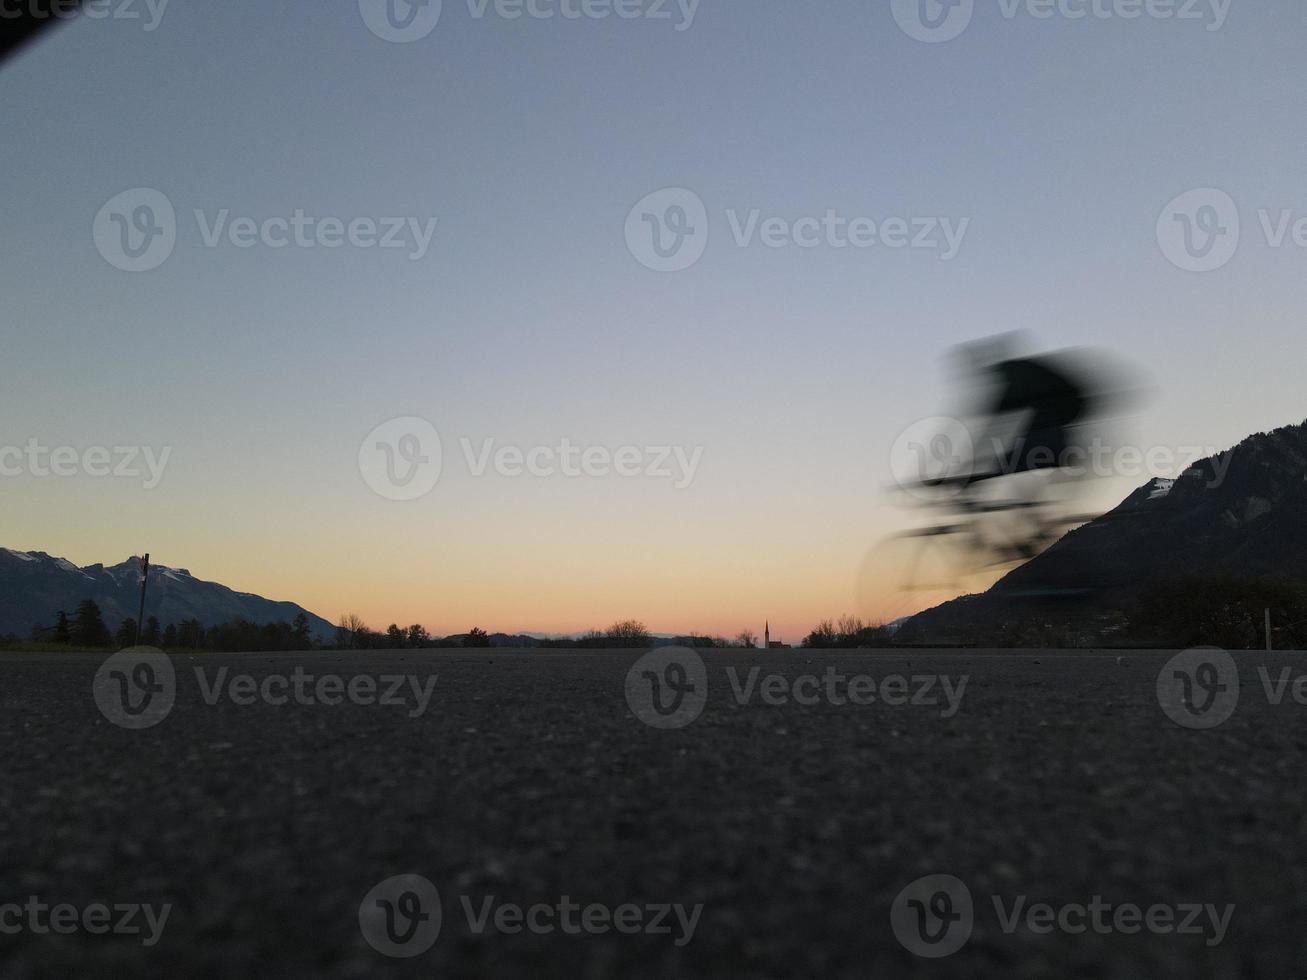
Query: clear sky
x,y
1059,140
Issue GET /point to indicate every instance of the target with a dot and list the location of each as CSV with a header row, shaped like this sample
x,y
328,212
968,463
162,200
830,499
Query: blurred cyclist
x,y
1031,407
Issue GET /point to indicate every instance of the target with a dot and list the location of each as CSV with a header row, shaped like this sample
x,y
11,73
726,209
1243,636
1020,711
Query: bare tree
x,y
351,631
628,633
848,628
747,639
822,635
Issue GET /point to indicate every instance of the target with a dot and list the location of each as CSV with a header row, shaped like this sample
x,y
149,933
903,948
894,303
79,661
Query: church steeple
x,y
766,636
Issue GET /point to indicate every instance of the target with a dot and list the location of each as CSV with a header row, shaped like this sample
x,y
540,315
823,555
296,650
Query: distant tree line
x,y
86,629
353,633
631,633
1219,611
623,633
848,632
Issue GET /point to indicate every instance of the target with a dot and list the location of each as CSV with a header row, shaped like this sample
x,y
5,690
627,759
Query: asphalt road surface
x,y
761,825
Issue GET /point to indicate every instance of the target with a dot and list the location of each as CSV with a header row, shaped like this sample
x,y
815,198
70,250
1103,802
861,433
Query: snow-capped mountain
x,y
35,587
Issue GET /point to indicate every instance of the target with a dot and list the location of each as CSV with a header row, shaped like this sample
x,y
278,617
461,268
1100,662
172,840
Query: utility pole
x,y
1268,629
145,578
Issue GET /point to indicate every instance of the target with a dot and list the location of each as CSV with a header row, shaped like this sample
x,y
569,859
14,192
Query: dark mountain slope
x,y
1242,514
35,587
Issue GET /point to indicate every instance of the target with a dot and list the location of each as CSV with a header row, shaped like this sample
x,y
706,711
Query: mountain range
x,y
36,587
1242,514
